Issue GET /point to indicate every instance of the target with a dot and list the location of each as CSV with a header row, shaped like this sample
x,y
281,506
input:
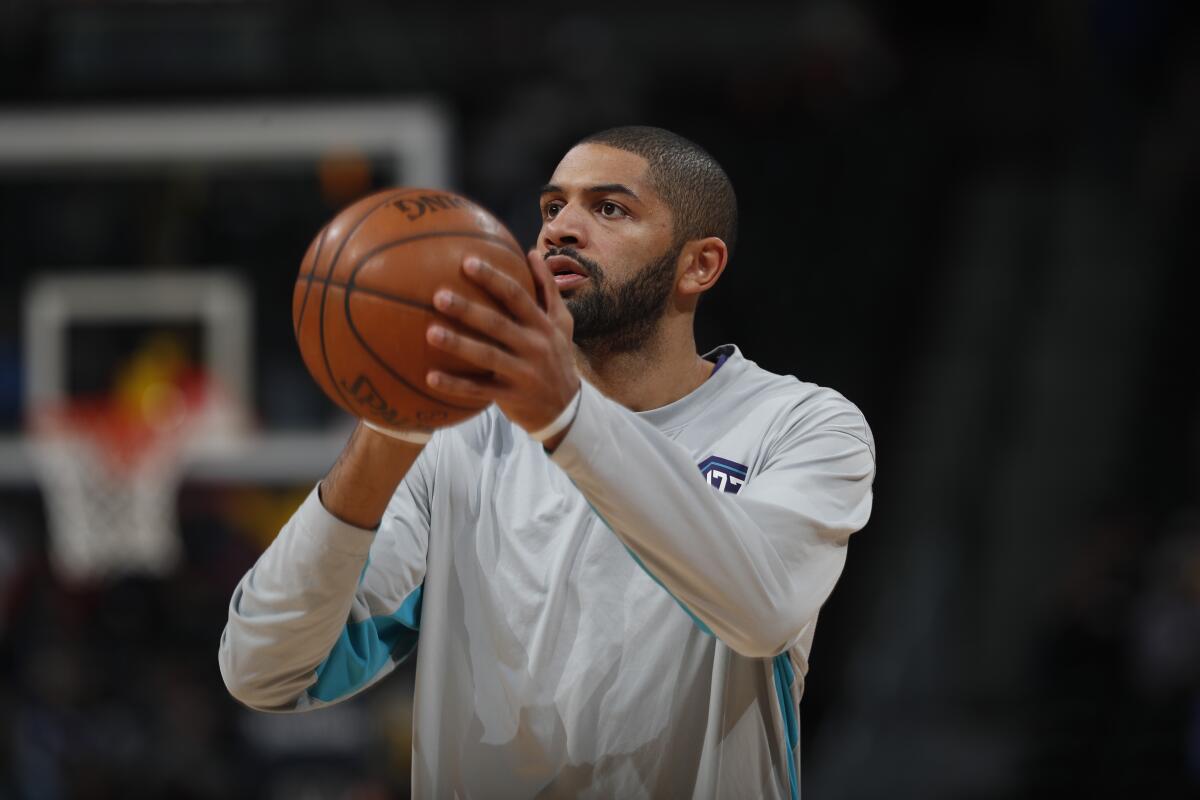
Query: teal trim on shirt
x,y
699,622
365,647
784,677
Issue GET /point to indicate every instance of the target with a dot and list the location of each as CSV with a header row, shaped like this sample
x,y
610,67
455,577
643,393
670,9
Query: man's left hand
x,y
527,351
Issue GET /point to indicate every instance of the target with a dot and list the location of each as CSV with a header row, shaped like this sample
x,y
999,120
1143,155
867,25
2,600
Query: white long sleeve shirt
x,y
628,617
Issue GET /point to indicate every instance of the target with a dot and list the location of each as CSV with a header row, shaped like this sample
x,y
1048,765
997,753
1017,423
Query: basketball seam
x,y
394,298
351,288
308,289
390,370
500,240
325,291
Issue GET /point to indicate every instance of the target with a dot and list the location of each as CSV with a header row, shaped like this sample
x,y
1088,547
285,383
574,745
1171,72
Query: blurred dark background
x,y
979,221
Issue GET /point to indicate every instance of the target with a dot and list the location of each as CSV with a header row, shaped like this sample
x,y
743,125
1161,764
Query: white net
x,y
111,482
104,521
161,369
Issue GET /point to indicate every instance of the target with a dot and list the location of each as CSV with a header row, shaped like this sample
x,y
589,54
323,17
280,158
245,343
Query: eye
x,y
551,209
611,210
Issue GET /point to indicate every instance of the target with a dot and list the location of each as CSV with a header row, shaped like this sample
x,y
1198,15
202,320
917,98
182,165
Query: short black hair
x,y
692,183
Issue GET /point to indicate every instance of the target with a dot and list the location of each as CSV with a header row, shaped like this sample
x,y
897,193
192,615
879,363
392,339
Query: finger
x,y
474,352
511,294
535,258
460,387
552,300
487,321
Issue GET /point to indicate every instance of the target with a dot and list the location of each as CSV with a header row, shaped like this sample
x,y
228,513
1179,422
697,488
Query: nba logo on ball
x,y
728,476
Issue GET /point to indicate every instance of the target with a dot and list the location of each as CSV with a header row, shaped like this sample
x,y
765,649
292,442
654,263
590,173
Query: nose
x,y
568,227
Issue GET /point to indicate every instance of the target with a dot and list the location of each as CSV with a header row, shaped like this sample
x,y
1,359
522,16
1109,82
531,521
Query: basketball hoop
x,y
110,474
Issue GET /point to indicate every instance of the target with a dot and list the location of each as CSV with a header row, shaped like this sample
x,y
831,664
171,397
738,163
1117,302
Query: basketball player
x,y
614,572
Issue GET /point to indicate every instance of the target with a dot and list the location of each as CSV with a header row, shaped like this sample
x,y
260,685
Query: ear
x,y
702,262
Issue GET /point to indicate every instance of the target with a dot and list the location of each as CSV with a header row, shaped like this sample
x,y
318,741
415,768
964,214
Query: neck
x,y
665,369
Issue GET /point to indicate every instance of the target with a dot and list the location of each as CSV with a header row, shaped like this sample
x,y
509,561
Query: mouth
x,y
567,271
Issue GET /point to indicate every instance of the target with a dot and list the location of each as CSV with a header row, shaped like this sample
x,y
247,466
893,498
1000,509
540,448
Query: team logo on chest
x,y
728,476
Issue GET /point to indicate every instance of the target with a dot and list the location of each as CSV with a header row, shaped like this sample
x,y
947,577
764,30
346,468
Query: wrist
x,y
362,481
552,434
551,444
418,438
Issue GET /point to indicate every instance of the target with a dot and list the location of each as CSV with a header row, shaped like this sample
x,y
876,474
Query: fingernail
x,y
433,378
443,298
472,265
437,333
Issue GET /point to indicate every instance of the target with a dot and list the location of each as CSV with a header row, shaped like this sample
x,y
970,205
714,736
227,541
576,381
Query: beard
x,y
619,318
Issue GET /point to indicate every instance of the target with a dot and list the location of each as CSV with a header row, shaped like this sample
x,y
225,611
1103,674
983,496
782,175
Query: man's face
x,y
607,238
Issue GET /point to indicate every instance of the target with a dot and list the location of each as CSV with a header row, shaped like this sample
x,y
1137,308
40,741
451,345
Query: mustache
x,y
591,267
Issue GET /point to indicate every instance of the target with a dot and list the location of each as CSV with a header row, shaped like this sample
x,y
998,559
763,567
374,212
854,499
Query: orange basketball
x,y
364,299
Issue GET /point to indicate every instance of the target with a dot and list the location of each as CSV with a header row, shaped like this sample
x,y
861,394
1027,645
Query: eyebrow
x,y
603,188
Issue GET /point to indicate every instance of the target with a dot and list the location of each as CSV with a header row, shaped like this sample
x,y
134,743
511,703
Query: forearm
x,y
361,483
754,569
290,608
705,550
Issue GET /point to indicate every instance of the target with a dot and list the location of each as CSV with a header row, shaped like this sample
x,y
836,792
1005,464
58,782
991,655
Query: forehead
x,y
597,165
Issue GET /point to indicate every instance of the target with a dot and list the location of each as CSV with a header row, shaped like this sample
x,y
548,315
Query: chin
x,y
571,296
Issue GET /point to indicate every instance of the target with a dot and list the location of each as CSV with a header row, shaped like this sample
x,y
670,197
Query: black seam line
x,y
852,435
317,261
500,240
308,288
350,289
406,301
325,291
